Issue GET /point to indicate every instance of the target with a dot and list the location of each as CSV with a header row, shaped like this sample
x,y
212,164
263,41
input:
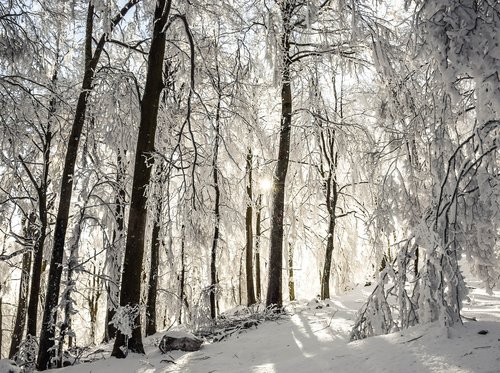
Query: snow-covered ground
x,y
315,339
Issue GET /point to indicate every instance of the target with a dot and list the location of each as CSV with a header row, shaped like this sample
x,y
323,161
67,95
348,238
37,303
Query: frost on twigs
x,y
379,315
459,222
239,320
463,40
26,354
451,207
124,319
455,223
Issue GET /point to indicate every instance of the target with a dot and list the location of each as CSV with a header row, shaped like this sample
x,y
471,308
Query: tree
x,y
249,232
29,233
457,166
215,178
332,130
258,238
295,17
33,88
115,253
136,228
92,58
274,288
155,252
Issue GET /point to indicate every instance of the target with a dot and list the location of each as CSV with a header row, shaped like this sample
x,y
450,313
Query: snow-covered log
x,y
179,341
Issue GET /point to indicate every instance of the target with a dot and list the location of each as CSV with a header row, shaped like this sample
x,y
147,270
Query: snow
x,y
315,338
7,367
179,334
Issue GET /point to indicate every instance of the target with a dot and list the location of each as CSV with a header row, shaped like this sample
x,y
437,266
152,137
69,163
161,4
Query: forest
x,y
164,161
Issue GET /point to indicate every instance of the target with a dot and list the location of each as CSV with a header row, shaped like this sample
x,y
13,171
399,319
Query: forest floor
x,y
315,338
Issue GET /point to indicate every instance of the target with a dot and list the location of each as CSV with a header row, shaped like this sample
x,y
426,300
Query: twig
x,y
329,322
413,339
168,361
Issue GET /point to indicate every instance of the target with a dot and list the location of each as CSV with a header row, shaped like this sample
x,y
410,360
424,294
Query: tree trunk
x,y
20,322
93,303
47,334
182,281
249,233
115,254
153,274
291,281
331,200
130,291
66,301
38,248
415,263
325,279
68,306
215,240
257,247
240,276
36,272
274,288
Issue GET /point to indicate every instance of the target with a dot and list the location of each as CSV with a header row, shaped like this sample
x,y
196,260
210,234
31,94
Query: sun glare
x,y
266,184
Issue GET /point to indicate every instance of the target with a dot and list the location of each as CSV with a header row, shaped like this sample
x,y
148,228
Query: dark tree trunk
x,y
331,203
182,280
240,277
39,244
115,257
153,274
130,292
93,303
66,324
249,233
415,263
215,240
325,278
291,281
274,288
20,322
258,233
47,335
36,274
38,249
67,301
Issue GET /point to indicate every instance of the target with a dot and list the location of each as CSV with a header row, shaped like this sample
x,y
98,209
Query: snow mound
x,y
309,338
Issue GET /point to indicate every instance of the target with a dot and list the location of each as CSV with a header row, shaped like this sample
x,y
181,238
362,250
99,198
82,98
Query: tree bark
x,y
130,291
325,278
182,281
291,281
153,273
115,256
38,248
258,234
331,203
20,322
274,288
249,233
93,304
215,240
